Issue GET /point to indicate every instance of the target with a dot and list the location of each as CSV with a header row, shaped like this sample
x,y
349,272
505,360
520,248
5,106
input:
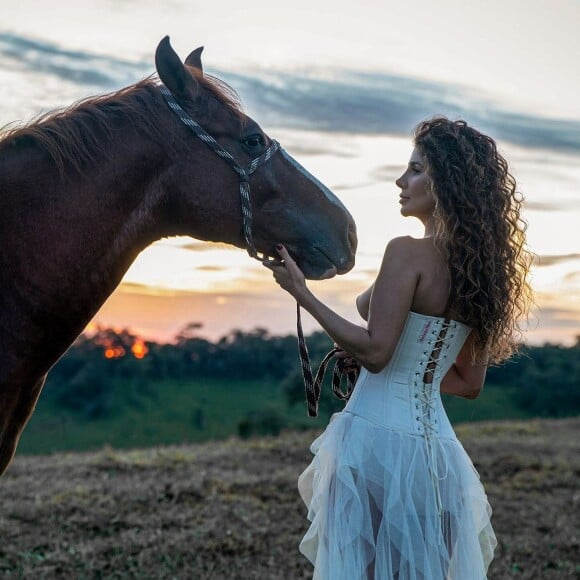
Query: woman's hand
x,y
350,363
287,274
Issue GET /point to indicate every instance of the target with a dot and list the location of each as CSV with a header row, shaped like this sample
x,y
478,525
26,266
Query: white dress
x,y
391,492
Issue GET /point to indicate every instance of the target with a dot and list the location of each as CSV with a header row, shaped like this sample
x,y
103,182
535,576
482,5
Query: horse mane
x,y
77,134
220,90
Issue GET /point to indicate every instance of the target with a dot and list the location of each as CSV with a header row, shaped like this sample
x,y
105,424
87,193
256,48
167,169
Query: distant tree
x,y
547,379
189,331
88,392
86,378
254,354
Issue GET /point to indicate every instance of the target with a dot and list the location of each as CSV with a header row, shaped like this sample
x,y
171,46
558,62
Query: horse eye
x,y
254,142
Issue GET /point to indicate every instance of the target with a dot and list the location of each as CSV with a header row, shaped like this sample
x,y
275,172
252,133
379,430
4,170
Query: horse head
x,y
288,204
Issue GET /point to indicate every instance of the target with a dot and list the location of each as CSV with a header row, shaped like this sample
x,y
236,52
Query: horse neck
x,y
69,238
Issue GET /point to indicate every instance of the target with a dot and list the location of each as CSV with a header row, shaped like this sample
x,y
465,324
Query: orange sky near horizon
x,y
159,317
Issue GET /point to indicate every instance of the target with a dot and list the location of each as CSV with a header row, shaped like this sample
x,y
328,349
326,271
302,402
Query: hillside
x,y
230,509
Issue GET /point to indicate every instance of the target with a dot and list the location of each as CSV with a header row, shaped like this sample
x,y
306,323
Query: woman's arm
x,y
464,379
389,307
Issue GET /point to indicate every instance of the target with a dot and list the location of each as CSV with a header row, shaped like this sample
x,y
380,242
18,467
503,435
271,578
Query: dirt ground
x,y
231,510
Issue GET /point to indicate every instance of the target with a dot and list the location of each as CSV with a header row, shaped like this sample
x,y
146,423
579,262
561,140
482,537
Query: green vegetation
x,y
169,411
243,384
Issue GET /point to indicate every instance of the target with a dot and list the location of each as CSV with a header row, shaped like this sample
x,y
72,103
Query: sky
x,y
340,85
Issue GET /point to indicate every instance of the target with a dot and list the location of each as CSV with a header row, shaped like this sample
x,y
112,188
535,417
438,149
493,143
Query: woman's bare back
x,y
432,292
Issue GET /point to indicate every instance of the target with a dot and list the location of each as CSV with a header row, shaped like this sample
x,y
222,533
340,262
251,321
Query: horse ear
x,y
173,74
194,59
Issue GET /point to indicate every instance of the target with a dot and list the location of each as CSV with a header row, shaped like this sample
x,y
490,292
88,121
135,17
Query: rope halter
x,y
243,172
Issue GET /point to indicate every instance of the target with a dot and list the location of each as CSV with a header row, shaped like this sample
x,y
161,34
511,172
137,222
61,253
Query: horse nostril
x,y
352,237
346,261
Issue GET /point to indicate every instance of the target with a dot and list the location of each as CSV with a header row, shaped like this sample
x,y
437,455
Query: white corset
x,y
397,397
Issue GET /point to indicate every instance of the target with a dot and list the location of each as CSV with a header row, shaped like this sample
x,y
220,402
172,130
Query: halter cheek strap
x,y
243,172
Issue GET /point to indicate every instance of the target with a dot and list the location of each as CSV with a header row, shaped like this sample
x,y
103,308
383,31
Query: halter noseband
x,y
243,172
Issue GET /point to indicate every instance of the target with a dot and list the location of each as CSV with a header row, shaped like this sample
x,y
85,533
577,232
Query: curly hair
x,y
480,233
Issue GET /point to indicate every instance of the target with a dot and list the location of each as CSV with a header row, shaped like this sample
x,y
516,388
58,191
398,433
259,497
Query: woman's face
x,y
416,198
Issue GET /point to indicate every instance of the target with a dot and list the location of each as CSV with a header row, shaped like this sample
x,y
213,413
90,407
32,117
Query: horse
x,y
85,189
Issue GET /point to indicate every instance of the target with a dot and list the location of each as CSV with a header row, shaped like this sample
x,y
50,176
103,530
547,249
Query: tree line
x,y
546,378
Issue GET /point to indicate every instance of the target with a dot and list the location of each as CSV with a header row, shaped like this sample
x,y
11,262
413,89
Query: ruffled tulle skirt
x,y
379,512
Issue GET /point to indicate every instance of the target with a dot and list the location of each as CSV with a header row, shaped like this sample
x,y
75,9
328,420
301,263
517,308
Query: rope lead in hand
x,y
313,385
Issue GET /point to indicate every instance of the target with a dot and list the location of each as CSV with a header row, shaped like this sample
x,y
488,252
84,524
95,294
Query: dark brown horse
x,y
83,191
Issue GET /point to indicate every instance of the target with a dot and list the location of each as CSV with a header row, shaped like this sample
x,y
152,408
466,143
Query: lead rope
x,y
312,386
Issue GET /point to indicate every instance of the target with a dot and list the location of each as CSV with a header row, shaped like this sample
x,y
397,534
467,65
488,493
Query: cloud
x,y
559,322
542,206
387,172
572,277
554,314
80,67
211,268
552,260
299,150
205,246
554,324
136,289
558,311
339,101
379,103
355,186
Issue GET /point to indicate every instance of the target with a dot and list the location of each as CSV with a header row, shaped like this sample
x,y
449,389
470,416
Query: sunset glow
x,y
114,352
139,349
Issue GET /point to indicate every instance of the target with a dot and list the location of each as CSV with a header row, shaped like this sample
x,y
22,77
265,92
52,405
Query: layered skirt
x,y
388,504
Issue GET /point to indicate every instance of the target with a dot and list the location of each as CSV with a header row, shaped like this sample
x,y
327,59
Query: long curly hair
x,y
479,231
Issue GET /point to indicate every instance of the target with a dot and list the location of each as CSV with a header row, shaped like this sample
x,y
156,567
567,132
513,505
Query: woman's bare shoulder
x,y
403,244
407,247
401,259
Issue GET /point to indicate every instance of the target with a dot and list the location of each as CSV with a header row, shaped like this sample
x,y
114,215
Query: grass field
x,y
174,412
230,509
167,412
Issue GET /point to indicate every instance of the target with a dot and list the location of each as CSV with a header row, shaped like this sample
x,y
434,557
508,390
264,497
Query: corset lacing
x,y
425,405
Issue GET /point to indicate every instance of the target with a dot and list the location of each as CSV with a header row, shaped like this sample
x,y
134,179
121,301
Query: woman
x,y
391,492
